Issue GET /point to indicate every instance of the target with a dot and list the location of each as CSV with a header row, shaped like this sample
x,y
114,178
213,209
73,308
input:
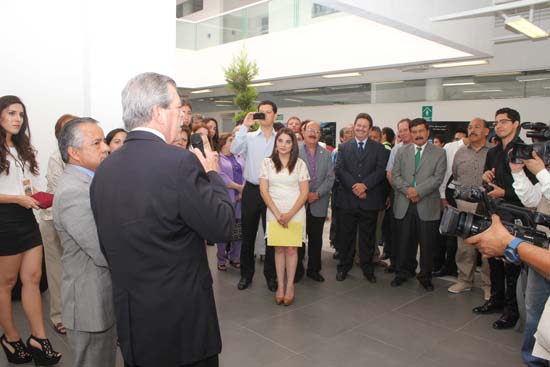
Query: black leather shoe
x,y
396,282
370,277
272,284
336,255
390,269
341,276
488,307
440,273
315,275
244,283
427,284
506,321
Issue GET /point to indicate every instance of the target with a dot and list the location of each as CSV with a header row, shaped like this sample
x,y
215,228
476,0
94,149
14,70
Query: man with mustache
x,y
467,169
417,173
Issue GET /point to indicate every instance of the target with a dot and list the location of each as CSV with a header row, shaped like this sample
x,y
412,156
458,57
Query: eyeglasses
x,y
317,132
502,121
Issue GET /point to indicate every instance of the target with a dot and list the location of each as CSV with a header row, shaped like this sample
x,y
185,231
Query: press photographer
x,y
492,243
537,291
498,176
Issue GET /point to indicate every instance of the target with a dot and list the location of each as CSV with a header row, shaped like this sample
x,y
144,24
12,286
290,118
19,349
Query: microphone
x,y
196,142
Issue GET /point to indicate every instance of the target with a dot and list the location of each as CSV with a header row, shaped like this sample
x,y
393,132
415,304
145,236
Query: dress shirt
x,y
152,131
423,148
450,151
255,148
83,169
361,141
467,166
391,159
529,194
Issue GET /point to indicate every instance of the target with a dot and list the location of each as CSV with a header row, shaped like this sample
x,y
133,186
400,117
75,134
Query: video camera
x,y
463,224
539,132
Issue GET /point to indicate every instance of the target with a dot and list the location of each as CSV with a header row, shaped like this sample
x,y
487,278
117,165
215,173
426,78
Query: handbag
x,y
237,232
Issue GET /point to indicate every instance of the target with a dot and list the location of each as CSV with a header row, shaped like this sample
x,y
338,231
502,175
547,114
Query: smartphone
x,y
258,116
196,142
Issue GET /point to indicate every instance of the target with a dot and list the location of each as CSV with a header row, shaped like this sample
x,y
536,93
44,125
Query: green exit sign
x,y
427,112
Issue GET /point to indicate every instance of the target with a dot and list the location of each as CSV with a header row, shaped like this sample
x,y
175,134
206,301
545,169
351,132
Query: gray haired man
x,y
86,292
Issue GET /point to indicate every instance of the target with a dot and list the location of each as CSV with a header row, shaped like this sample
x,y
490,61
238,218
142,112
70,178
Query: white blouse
x,y
12,184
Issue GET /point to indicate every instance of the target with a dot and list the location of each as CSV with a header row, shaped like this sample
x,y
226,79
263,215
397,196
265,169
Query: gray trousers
x,y
96,349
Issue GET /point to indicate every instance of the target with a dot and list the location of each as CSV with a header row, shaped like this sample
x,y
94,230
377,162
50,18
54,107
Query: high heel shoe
x,y
45,355
20,353
288,301
279,300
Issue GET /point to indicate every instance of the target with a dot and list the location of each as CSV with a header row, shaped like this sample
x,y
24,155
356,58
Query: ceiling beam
x,y
489,10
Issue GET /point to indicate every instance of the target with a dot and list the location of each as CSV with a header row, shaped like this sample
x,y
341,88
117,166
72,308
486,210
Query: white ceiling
x,y
412,40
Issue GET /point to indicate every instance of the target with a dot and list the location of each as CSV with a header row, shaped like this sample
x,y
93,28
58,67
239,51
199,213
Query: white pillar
x,y
74,56
434,89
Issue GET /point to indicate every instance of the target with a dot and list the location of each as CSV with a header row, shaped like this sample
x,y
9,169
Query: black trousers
x,y
504,278
252,210
207,362
388,233
413,231
349,222
314,229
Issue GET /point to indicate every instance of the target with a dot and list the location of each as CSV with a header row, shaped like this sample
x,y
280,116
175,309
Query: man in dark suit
x,y
154,205
360,168
417,173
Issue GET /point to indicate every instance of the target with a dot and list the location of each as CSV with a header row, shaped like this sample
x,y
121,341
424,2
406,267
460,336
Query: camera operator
x,y
492,243
497,174
538,288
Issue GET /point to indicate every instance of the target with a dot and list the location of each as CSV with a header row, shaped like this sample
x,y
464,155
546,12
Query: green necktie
x,y
416,163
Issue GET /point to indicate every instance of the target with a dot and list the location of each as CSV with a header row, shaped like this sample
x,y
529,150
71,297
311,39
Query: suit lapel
x,y
82,176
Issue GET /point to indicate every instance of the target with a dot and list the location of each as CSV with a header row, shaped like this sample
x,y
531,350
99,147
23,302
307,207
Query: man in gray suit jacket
x,y
86,292
321,171
417,173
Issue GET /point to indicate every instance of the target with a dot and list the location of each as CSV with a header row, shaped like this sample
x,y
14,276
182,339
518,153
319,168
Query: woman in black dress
x,y
20,240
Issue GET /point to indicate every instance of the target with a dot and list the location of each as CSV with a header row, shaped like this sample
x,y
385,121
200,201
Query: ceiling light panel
x,y
459,63
524,26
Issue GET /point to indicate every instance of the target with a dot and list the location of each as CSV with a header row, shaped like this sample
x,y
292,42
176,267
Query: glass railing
x,y
250,21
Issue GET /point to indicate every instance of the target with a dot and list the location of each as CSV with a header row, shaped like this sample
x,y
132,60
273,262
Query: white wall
x,y
74,57
387,114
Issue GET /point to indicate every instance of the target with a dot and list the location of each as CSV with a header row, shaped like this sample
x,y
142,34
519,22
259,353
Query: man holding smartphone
x,y
255,146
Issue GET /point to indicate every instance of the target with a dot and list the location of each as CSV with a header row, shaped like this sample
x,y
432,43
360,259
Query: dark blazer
x,y
368,167
431,171
154,206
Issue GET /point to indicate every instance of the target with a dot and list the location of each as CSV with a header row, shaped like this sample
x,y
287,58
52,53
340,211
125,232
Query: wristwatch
x,y
511,252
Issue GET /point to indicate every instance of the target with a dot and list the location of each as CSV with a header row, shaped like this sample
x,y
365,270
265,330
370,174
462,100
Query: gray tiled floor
x,y
352,323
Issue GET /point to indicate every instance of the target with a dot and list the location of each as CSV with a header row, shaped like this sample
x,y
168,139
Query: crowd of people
x,y
134,210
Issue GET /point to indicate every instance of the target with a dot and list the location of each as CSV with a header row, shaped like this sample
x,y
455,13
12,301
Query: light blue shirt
x,y
85,170
361,141
255,148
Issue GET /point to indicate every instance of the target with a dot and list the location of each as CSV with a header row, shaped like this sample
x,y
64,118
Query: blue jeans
x,y
536,295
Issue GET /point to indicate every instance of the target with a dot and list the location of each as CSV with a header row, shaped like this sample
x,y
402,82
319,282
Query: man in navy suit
x,y
360,168
154,205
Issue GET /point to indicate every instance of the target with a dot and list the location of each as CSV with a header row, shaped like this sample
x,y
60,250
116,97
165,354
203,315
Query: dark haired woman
x,y
115,139
284,185
20,240
213,131
231,171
